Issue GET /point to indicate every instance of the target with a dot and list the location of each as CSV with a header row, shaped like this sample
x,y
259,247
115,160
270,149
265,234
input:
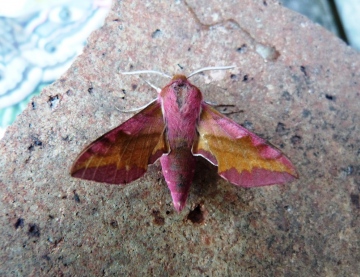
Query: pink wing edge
x,y
109,173
258,176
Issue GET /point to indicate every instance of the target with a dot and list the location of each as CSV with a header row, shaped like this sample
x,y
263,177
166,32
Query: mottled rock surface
x,y
298,87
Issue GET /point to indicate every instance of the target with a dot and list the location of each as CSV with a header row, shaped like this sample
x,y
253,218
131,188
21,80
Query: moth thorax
x,y
181,91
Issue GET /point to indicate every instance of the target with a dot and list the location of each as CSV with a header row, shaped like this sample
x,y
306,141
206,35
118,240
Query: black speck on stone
x,y
53,101
196,215
355,200
286,95
157,33
281,129
158,219
295,139
233,77
349,170
306,113
19,223
76,197
34,230
248,125
330,97
242,48
37,142
46,257
114,223
303,70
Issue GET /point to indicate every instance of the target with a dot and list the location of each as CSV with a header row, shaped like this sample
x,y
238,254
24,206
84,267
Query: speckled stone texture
x,y
298,87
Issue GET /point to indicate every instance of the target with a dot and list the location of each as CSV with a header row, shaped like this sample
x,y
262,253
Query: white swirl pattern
x,y
38,42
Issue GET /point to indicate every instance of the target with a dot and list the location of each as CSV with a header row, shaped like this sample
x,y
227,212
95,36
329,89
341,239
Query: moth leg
x,y
224,106
136,109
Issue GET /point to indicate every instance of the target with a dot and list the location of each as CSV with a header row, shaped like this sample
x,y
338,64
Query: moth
x,y
175,127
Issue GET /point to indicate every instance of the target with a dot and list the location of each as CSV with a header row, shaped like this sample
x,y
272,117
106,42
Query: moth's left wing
x,y
123,154
242,158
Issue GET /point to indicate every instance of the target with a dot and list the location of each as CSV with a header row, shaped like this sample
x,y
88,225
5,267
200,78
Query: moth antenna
x,y
150,84
210,68
146,72
153,86
136,109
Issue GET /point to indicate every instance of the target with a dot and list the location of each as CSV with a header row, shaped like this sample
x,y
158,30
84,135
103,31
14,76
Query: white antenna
x,y
146,72
210,68
168,76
